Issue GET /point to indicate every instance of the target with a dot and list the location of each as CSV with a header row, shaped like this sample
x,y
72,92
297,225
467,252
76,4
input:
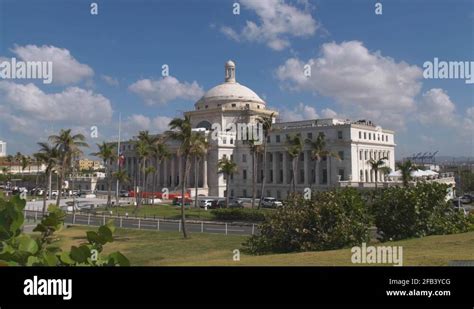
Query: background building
x,y
232,103
3,149
89,165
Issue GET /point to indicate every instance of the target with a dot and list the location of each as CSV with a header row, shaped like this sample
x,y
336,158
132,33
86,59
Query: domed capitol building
x,y
232,103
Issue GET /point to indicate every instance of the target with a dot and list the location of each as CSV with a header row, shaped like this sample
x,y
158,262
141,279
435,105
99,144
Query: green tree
x,y
48,155
68,146
378,165
267,125
181,131
227,167
159,152
122,177
294,149
318,152
406,168
107,154
255,150
199,147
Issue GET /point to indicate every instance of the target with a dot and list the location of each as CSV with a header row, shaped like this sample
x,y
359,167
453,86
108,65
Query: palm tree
x,y
68,146
267,123
122,177
48,155
406,168
25,162
159,152
107,154
378,165
227,167
37,157
294,149
10,160
18,156
318,151
143,152
181,130
198,150
255,150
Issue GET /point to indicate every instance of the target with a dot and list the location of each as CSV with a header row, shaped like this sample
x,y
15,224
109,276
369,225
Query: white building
x,y
3,149
232,103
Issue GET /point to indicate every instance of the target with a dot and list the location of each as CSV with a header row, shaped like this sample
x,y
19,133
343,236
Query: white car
x,y
271,202
205,203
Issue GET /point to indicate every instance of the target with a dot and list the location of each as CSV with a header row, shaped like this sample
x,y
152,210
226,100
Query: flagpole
x,y
118,159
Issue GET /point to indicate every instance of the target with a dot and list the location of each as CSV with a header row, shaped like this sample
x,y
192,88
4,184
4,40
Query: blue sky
x,y
111,62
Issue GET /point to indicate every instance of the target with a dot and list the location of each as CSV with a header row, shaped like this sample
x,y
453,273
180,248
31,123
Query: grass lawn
x,y
163,211
169,248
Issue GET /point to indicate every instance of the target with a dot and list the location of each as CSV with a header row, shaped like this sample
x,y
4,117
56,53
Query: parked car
x,y
124,193
177,201
205,203
271,202
466,199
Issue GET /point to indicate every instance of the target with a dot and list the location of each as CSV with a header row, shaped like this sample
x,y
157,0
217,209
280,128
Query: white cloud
x,y
27,109
278,21
110,80
328,113
365,83
436,108
165,90
300,112
66,69
138,122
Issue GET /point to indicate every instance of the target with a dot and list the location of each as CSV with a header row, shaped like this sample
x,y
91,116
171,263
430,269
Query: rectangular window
x,y
310,135
324,179
360,134
244,158
360,155
301,175
244,193
341,173
341,155
268,139
365,135
277,138
244,174
339,134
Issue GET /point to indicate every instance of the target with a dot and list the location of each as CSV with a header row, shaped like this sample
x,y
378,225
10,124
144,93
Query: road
x,y
155,225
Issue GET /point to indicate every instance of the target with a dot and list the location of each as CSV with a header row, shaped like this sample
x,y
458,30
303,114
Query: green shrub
x,y
330,220
239,214
20,249
416,211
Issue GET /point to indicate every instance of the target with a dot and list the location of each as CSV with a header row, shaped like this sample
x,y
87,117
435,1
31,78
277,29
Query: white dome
x,y
231,92
227,92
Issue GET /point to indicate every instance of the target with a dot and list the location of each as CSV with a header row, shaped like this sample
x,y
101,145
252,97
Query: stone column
x,y
165,173
204,172
306,168
173,171
275,158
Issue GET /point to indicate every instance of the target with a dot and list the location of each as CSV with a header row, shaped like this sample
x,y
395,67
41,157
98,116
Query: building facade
x,y
226,106
3,149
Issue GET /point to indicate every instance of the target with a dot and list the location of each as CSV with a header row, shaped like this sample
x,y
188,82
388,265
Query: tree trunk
x,y
50,184
227,191
183,198
196,170
44,193
262,188
154,183
254,179
295,172
60,182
